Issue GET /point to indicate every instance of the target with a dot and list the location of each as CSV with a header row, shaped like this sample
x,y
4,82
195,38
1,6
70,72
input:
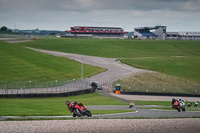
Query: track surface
x,y
115,69
139,112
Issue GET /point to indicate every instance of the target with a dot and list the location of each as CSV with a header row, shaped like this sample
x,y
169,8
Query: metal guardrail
x,y
34,87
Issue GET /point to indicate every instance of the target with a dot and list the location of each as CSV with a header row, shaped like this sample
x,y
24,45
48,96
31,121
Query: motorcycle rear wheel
x,y
77,112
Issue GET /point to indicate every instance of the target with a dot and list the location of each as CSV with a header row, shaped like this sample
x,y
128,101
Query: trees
x,y
3,28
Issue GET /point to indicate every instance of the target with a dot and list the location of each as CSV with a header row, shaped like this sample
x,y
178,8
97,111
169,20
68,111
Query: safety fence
x,y
35,87
78,85
14,37
51,88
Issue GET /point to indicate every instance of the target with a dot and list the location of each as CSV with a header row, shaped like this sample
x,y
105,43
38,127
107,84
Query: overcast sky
x,y
177,15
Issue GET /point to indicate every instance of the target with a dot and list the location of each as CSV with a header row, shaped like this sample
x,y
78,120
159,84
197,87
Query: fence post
x,y
11,89
5,87
17,85
47,86
36,87
60,86
24,88
17,88
41,87
56,86
51,88
30,85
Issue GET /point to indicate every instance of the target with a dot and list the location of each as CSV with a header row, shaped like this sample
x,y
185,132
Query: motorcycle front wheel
x,y
88,113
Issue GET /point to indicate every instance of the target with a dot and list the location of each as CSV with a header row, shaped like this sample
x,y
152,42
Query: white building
x,y
183,35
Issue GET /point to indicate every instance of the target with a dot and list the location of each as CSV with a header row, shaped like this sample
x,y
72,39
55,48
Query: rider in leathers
x,y
71,106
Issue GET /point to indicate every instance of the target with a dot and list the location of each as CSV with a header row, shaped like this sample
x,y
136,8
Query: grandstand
x,y
97,31
144,32
157,32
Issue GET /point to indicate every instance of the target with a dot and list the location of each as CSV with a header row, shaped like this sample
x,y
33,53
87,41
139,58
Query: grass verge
x,y
172,57
51,106
158,83
21,64
161,103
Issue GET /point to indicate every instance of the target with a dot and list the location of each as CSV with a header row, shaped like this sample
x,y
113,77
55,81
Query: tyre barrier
x,y
160,94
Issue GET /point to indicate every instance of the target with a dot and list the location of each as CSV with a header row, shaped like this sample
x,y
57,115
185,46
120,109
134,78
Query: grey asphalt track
x,y
115,69
138,113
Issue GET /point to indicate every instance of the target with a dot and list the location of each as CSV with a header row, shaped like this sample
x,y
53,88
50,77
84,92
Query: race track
x,y
108,125
115,69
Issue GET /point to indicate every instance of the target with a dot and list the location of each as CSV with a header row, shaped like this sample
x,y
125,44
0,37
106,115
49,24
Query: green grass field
x,y
21,64
173,57
187,67
53,106
116,48
158,83
177,58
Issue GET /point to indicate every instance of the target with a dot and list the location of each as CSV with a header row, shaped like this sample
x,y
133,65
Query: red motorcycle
x,y
177,106
80,110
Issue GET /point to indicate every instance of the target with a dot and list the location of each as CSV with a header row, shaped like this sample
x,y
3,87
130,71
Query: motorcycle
x,y
79,110
196,104
179,105
189,104
182,105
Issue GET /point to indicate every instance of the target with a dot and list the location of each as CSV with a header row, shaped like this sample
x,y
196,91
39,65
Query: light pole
x,y
30,85
73,84
56,86
82,69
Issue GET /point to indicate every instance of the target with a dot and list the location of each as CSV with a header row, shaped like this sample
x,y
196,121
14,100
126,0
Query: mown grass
x,y
158,83
21,64
187,67
53,106
163,56
171,57
115,48
161,103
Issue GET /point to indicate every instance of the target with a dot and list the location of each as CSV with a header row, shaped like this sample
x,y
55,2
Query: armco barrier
x,y
160,94
65,94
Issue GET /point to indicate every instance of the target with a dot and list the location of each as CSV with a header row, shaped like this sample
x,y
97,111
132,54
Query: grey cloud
x,y
48,14
86,5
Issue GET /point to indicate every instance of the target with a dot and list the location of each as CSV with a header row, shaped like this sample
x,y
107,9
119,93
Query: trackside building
x,y
183,35
157,32
77,31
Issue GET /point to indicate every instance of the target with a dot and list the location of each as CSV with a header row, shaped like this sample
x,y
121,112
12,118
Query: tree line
x,y
4,29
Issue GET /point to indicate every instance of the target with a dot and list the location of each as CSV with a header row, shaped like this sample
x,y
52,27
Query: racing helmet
x,y
67,102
